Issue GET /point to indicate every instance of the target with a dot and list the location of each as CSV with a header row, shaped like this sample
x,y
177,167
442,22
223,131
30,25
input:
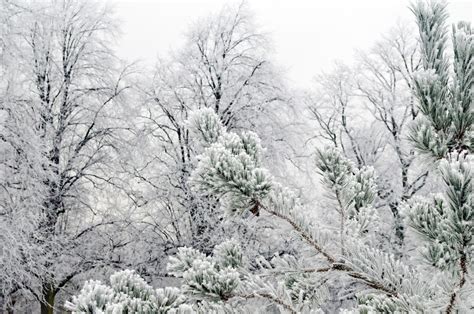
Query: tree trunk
x,y
398,226
48,299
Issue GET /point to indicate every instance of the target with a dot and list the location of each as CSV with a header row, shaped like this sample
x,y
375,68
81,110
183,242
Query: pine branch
x,y
462,281
334,265
268,297
302,233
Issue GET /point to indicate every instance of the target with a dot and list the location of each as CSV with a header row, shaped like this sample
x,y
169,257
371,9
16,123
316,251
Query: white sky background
x,y
308,35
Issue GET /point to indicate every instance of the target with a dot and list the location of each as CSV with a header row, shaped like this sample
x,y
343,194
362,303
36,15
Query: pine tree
x,y
444,133
231,169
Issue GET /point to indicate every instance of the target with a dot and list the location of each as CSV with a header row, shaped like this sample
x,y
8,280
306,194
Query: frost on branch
x,y
405,292
353,190
127,293
204,277
207,282
444,100
353,187
445,222
444,132
205,123
229,254
231,167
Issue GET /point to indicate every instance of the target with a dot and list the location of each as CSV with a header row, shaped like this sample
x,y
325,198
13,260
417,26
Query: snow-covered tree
x,y
60,125
224,65
366,110
196,178
231,169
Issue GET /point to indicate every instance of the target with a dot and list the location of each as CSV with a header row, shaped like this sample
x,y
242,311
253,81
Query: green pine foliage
x,y
444,91
230,166
127,293
208,277
444,133
231,170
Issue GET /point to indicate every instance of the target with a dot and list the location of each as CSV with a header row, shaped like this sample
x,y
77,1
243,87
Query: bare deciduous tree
x,y
224,66
379,85
60,133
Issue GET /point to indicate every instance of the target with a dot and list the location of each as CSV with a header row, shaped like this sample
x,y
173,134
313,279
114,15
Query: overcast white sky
x,y
308,35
